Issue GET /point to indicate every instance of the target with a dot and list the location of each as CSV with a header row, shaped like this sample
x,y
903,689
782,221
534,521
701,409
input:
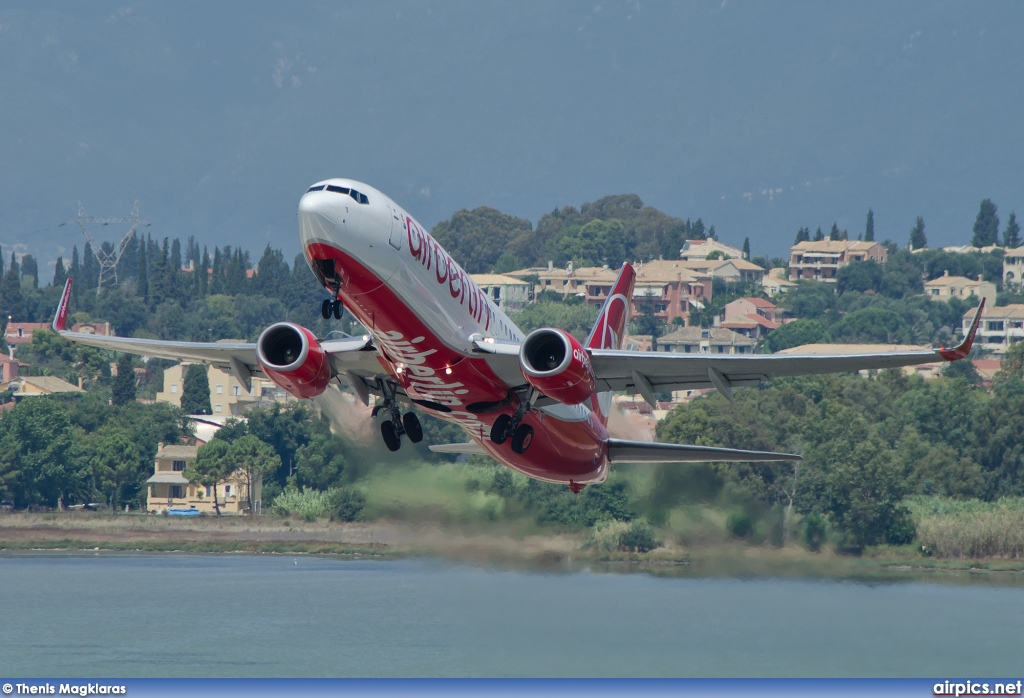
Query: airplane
x,y
538,403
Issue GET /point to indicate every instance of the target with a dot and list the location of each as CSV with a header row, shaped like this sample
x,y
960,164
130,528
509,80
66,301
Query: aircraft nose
x,y
319,217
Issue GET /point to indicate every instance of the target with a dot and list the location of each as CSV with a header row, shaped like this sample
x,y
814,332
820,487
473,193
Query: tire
x,y
325,309
338,309
500,428
412,427
391,438
522,439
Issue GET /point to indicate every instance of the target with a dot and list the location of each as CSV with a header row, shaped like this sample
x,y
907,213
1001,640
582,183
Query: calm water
x,y
134,615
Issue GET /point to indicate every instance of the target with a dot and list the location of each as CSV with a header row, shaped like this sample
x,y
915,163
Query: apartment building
x,y
509,294
706,340
819,261
1001,326
169,489
946,287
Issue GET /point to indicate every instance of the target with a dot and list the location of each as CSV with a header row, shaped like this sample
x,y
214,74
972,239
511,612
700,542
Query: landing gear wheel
x,y
391,438
325,309
412,427
499,430
338,309
522,439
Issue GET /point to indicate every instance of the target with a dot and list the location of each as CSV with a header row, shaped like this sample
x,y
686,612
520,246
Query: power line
x,y
108,259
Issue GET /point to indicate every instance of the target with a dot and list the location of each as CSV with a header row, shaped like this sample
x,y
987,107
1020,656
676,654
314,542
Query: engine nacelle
x,y
292,357
557,365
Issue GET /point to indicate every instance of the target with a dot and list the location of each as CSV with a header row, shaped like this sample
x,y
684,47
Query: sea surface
x,y
110,615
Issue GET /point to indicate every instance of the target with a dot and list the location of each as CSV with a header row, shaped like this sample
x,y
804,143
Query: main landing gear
x,y
506,426
397,424
331,307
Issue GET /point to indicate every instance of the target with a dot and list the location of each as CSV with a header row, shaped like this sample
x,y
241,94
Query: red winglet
x,y
961,351
60,320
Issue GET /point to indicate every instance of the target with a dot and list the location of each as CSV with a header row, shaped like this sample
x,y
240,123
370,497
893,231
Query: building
x,y
21,332
819,261
946,287
509,294
694,250
1013,267
228,396
667,285
775,282
169,489
1000,326
750,317
29,386
100,328
702,340
731,270
8,370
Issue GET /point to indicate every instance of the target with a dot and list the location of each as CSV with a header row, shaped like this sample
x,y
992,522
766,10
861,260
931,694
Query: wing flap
x,y
470,448
623,451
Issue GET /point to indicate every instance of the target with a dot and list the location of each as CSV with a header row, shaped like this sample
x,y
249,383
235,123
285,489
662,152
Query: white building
x,y
510,295
1000,327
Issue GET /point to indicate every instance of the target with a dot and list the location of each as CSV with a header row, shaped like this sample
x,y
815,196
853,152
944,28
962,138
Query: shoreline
x,y
77,532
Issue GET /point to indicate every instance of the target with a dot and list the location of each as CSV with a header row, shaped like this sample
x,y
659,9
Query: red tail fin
x,y
610,329
60,319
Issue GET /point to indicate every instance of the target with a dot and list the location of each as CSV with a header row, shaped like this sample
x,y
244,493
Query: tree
x,y
834,234
802,235
123,388
918,240
477,238
746,248
986,225
60,275
319,463
213,464
818,235
11,300
795,334
116,465
1011,236
869,229
859,276
195,392
255,460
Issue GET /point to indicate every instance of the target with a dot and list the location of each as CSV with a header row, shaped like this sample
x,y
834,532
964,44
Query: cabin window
x,y
315,187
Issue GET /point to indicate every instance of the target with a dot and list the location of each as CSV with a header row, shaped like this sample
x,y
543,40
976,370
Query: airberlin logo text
x,y
425,249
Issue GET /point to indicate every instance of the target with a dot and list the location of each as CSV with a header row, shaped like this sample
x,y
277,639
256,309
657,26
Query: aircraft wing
x,y
654,372
354,355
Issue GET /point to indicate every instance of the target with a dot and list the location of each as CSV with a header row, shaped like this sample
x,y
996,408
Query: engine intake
x,y
292,357
557,365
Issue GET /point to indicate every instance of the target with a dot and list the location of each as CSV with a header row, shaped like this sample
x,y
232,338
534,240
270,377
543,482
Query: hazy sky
x,y
759,117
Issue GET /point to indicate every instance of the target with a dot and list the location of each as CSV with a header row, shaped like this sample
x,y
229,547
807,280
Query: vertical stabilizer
x,y
610,329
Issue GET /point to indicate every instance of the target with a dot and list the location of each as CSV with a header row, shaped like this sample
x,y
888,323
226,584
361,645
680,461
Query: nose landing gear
x,y
397,424
331,307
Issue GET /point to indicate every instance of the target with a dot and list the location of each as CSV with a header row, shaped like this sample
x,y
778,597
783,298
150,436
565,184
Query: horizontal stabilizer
x,y
470,447
622,451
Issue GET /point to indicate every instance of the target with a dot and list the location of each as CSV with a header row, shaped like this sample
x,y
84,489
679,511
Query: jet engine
x,y
292,357
557,365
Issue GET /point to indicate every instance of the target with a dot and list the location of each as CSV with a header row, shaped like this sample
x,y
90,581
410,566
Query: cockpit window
x,y
315,187
357,196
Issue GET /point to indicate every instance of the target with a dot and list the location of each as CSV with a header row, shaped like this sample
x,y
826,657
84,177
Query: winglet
x,y
60,320
964,348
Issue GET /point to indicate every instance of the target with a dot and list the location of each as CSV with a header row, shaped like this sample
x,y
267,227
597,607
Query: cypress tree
x,y
986,225
869,229
746,248
123,386
60,275
195,391
1011,236
10,291
818,235
803,235
142,275
30,269
917,236
834,234
203,270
